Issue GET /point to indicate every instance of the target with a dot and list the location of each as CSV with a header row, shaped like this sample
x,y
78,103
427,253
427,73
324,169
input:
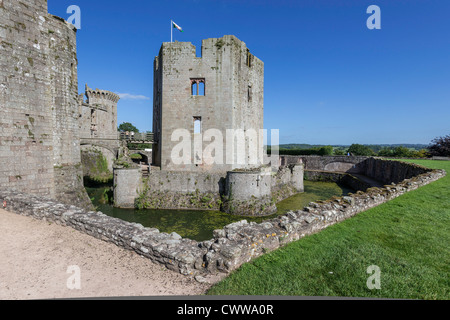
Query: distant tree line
x,y
438,147
320,151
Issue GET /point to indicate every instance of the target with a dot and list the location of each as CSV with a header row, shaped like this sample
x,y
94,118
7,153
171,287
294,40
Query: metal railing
x,y
138,137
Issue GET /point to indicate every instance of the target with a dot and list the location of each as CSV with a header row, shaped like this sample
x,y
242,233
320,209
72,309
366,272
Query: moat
x,y
200,224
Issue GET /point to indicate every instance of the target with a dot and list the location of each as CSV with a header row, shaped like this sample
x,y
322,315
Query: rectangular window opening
x,y
197,125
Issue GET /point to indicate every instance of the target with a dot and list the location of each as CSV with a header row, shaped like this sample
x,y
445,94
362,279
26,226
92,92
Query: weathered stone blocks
x,y
38,102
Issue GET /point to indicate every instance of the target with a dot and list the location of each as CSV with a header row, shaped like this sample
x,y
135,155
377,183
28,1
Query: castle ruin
x,y
209,112
98,131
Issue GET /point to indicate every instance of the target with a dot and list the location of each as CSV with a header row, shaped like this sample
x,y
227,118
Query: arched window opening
x,y
201,88
194,88
198,87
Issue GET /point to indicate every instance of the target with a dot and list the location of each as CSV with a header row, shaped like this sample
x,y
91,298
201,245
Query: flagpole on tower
x,y
171,31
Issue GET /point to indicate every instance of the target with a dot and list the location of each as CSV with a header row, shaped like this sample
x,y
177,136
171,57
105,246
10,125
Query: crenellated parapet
x,y
96,96
98,114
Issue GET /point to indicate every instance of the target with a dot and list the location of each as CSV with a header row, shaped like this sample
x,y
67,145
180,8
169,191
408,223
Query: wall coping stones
x,y
230,247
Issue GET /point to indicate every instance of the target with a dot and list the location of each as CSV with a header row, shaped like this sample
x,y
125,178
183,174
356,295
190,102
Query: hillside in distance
x,y
374,147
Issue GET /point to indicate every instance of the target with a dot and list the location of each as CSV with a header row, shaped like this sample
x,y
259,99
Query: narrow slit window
x,y
249,59
197,125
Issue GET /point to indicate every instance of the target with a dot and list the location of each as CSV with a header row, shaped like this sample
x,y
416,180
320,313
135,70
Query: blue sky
x,y
328,78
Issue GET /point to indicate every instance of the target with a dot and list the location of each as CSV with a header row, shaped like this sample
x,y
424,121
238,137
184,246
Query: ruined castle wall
x,y
39,141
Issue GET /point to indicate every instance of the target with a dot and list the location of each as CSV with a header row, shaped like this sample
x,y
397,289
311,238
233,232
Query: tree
x,y
420,154
402,152
440,147
126,126
339,152
360,150
326,151
386,152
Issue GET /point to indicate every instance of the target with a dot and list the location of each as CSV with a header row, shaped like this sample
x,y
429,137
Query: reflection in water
x,y
199,225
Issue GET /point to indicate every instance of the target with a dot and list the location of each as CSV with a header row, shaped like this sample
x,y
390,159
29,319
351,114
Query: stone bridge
x,y
146,155
348,164
110,148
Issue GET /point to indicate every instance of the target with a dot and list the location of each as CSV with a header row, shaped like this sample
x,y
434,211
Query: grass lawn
x,y
407,238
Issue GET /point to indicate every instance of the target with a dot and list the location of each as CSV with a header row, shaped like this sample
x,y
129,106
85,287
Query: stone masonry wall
x,y
389,171
246,193
345,178
231,246
181,190
127,186
39,140
26,139
234,90
255,193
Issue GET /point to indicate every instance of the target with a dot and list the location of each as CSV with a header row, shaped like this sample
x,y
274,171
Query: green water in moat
x,y
198,224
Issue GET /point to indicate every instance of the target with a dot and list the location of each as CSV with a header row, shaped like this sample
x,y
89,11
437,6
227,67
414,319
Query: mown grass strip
x,y
407,238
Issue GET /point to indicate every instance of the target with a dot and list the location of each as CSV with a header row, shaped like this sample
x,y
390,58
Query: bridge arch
x,y
108,152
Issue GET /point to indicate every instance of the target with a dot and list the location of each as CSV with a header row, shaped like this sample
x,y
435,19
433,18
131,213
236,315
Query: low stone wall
x,y
181,255
240,242
231,246
390,171
345,178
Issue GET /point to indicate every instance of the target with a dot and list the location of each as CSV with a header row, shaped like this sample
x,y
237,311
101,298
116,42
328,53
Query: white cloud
x,y
128,96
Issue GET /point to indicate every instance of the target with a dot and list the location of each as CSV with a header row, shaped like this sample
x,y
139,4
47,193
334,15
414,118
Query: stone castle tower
x,y
220,92
39,131
223,89
98,114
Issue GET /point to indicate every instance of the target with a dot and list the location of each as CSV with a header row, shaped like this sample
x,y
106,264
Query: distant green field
x,y
408,238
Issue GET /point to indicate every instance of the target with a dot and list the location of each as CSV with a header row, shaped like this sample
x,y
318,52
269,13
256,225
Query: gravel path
x,y
35,257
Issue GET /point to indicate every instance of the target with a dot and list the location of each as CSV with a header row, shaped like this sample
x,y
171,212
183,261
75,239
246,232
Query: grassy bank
x,y
407,238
